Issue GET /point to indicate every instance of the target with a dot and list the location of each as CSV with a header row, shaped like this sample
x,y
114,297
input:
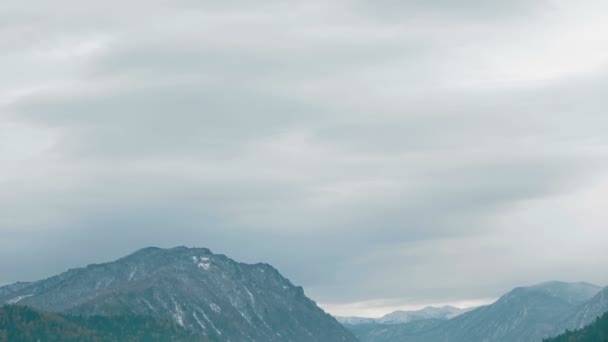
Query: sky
x,y
382,154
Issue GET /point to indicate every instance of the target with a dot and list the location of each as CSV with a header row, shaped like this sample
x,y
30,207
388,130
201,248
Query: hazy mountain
x,y
420,321
412,331
401,316
200,291
355,320
430,312
524,314
23,324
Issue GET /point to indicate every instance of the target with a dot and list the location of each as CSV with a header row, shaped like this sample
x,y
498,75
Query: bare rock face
x,y
203,292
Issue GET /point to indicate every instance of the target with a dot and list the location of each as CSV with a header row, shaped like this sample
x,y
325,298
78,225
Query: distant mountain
x,y
400,325
355,320
526,314
400,316
430,312
25,324
202,292
412,331
595,332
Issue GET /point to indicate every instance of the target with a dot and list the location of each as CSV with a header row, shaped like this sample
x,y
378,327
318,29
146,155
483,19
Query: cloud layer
x,y
387,154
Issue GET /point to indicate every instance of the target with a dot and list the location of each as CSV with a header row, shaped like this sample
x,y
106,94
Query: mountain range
x,y
192,294
204,293
524,314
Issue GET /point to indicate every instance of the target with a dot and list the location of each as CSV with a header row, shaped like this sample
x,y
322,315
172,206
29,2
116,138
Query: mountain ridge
x,y
523,314
203,292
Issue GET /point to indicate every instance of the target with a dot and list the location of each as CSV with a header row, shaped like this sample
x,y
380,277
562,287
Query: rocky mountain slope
x,y
202,292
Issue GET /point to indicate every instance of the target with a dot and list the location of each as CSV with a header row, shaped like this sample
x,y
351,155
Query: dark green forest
x,y
19,323
595,332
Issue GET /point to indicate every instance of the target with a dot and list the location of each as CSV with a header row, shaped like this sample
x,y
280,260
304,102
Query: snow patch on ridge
x,y
215,308
203,263
132,274
211,323
18,299
251,298
178,315
198,320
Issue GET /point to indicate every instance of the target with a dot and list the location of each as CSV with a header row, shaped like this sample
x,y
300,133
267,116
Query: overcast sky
x,y
382,154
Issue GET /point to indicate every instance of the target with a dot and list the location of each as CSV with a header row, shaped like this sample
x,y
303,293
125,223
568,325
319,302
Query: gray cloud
x,y
369,158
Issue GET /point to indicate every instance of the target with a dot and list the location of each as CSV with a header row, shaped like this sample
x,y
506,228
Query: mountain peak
x,y
202,292
173,250
562,284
